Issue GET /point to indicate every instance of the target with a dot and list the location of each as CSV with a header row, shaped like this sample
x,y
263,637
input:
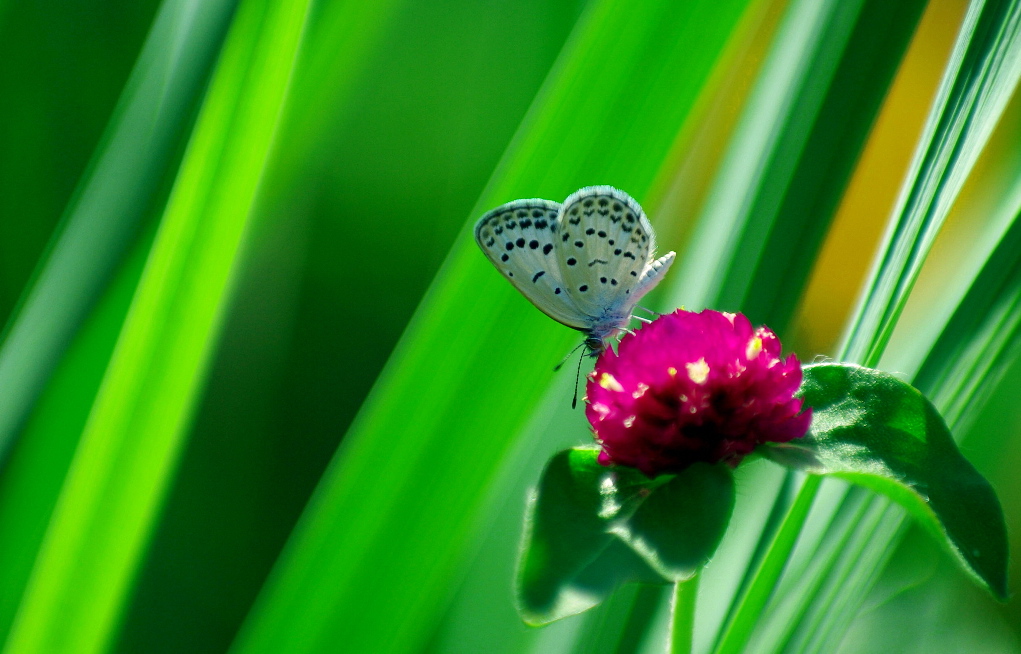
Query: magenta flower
x,y
693,387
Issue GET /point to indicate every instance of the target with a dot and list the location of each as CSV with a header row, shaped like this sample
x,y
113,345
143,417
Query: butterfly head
x,y
595,345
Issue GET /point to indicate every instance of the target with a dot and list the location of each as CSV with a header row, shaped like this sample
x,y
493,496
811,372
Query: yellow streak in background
x,y
695,155
858,226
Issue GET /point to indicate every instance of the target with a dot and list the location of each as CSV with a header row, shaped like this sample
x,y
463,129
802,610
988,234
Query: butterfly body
x,y
585,263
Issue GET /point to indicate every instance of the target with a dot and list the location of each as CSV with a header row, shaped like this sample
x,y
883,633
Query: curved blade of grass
x,y
125,180
106,508
980,340
32,479
111,206
964,363
982,75
457,388
793,153
791,158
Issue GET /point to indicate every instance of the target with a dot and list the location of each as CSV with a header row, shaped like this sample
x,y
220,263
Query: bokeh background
x,y
361,404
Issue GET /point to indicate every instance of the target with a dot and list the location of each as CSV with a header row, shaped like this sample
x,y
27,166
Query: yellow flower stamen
x,y
698,372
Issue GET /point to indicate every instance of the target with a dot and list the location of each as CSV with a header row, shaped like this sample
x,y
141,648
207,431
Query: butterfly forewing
x,y
607,245
520,239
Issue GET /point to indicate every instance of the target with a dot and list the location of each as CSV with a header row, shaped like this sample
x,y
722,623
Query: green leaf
x,y
590,529
679,526
875,430
566,530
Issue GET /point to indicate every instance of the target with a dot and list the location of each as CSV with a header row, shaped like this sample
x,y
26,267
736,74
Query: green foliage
x,y
872,429
287,440
129,443
590,529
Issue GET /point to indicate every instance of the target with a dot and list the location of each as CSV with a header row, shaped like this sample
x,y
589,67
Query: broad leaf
x,y
677,528
872,429
590,529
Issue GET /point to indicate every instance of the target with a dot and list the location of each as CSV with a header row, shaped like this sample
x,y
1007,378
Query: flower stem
x,y
682,619
740,628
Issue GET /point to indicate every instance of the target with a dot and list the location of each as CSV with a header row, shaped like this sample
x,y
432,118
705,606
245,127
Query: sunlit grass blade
x,y
458,386
38,464
124,182
980,340
84,568
982,75
792,155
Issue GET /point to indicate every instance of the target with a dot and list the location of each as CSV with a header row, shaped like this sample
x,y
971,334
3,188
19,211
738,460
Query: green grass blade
x,y
125,180
35,472
104,514
431,415
983,73
981,339
981,77
792,156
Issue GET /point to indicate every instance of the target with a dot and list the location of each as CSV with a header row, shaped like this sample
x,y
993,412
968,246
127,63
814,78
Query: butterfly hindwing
x,y
519,238
607,243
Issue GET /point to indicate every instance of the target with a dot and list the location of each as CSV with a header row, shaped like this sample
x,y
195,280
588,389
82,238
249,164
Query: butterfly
x,y
584,263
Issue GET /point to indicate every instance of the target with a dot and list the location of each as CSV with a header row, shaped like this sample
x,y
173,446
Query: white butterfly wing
x,y
519,238
605,253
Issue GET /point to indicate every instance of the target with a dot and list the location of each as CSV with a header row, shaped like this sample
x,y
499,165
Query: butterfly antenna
x,y
564,360
577,377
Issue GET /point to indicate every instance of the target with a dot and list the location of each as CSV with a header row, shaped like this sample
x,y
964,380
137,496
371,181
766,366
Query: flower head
x,y
693,387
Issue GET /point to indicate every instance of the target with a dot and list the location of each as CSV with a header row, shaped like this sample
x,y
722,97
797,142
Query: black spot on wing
x,y
546,249
537,275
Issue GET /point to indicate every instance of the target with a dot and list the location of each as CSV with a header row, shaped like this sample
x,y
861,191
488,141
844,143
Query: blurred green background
x,y
355,312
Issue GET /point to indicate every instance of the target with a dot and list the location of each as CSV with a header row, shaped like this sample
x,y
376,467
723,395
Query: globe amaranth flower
x,y
693,387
